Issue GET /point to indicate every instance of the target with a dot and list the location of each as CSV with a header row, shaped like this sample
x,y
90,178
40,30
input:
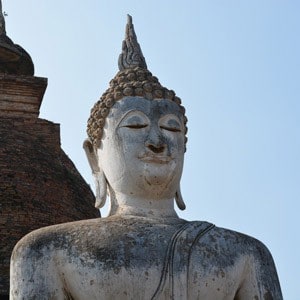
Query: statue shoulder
x,y
54,236
236,242
225,250
40,255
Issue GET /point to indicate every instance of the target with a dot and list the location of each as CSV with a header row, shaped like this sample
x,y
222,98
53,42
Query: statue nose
x,y
155,148
155,144
155,141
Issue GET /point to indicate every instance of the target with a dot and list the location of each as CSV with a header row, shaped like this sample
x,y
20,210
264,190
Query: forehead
x,y
151,108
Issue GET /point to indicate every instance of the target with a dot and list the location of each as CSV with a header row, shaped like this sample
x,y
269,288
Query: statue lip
x,y
158,159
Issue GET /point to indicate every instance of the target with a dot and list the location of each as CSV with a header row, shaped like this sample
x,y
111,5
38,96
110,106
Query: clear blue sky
x,y
236,66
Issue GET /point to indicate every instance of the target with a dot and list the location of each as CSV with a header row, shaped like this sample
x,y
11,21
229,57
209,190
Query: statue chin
x,y
159,175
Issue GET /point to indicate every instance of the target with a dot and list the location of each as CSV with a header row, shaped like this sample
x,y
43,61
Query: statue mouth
x,y
156,159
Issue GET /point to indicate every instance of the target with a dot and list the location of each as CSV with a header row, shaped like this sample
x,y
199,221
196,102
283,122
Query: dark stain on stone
x,y
67,295
268,296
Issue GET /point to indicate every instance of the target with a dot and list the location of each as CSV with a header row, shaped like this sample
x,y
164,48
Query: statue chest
x,y
140,266
125,268
143,277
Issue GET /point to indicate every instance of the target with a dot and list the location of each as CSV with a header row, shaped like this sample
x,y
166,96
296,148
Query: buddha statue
x,y
142,249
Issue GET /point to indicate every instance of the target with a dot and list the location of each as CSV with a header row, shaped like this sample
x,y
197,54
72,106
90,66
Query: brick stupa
x,y
39,184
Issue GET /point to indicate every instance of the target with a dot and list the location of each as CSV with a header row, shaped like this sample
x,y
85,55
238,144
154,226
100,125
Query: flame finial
x,y
131,55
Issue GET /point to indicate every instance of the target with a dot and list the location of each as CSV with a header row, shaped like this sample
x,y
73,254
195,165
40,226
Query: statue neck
x,y
127,205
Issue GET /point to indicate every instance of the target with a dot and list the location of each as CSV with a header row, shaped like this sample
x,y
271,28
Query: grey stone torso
x,y
123,258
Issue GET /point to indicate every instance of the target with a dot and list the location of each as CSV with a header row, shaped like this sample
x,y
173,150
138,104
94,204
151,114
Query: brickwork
x,y
21,95
39,184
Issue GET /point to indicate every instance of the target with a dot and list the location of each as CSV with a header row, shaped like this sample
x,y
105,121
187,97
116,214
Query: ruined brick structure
x,y
39,184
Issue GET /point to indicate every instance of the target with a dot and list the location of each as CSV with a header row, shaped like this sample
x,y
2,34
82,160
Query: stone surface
x,y
124,257
142,250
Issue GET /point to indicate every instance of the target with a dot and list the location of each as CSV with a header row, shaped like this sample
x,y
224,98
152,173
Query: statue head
x,y
137,133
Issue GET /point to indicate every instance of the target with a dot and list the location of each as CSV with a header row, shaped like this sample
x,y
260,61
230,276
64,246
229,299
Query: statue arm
x,y
260,279
33,274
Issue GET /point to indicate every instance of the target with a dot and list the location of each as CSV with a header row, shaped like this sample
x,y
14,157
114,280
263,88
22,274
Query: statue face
x,y
142,147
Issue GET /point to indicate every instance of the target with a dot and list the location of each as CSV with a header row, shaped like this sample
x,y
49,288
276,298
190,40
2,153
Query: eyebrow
x,y
128,112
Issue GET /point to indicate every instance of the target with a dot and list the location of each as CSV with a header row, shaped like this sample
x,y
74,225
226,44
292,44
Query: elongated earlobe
x,y
179,200
101,189
100,180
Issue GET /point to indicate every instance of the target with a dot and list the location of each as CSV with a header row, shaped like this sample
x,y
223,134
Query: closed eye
x,y
173,129
135,126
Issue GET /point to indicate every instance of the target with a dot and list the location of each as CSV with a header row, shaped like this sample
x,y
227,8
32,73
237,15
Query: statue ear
x,y
100,180
179,200
101,189
91,155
